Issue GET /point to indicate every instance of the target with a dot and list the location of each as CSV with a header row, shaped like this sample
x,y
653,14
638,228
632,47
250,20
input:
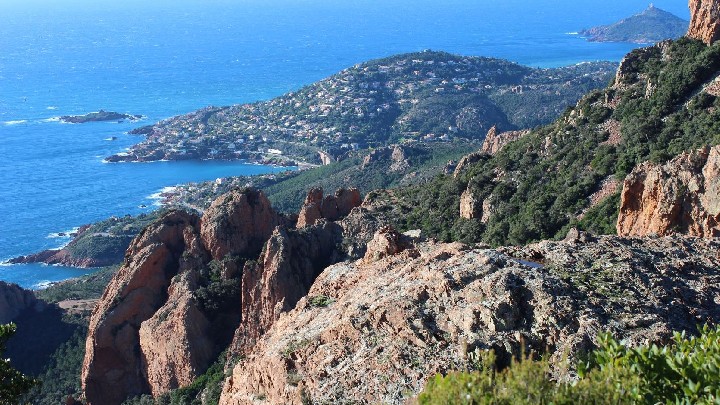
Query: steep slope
x,y
650,26
191,285
661,103
421,95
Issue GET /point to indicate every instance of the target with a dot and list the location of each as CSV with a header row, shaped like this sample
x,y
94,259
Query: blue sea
x,y
162,58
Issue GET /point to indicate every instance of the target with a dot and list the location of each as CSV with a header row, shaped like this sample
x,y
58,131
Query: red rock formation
x,y
292,260
494,141
705,20
466,161
176,342
112,369
386,242
681,196
386,327
332,207
150,332
470,207
311,209
238,223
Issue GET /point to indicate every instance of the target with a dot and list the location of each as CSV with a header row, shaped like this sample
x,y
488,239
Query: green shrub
x,y
684,372
13,384
320,301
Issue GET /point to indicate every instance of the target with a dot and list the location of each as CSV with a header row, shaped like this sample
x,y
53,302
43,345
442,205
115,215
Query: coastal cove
x,y
126,59
67,184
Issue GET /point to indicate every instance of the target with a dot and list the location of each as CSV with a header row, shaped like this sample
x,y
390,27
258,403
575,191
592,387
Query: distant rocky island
x,y
99,116
650,26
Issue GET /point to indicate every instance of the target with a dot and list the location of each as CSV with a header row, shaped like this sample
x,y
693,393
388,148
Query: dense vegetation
x,y
539,186
105,242
13,384
424,161
61,376
59,370
685,372
90,286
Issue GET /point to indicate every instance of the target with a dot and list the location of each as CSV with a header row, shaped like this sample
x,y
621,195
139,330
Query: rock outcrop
x,y
14,300
176,342
396,155
386,242
466,161
705,20
238,223
331,207
681,196
385,327
470,207
113,368
291,262
495,141
161,321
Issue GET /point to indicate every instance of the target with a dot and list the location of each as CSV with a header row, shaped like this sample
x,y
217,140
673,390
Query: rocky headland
x,y
430,96
95,245
650,26
99,116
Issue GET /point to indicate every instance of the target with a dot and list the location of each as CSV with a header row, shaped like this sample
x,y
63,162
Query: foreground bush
x,y
684,372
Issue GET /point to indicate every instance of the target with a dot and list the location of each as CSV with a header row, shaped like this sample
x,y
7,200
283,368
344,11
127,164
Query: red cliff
x,y
681,196
705,20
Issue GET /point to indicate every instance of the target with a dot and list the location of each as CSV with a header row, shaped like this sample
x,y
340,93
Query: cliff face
x,y
681,196
189,284
386,326
292,260
113,367
705,20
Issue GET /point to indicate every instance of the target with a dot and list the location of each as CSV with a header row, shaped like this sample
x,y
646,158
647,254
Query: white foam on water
x,y
15,122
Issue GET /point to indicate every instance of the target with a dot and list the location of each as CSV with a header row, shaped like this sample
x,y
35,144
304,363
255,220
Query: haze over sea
x,y
162,58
